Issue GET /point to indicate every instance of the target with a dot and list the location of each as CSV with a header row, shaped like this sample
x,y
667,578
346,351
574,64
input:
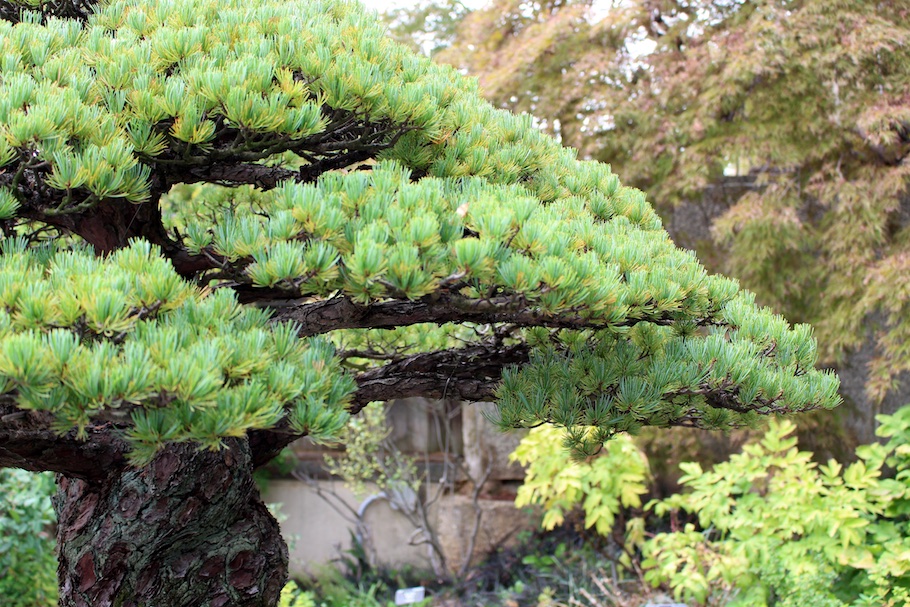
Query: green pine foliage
x,y
379,177
125,338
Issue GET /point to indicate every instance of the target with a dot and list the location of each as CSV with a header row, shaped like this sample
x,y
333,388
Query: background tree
x,y
27,561
428,27
389,235
781,126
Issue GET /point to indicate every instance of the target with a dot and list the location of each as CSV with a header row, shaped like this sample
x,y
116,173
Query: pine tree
x,y
368,229
775,133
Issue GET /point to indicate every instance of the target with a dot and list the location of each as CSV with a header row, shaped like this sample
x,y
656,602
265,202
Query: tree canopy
x,y
457,212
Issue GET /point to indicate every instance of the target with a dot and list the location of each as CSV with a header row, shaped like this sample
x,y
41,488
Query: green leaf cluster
x,y
776,528
775,134
292,596
769,526
125,338
617,380
27,560
377,235
603,486
187,83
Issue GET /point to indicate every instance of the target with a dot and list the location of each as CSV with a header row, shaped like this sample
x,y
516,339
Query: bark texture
x,y
27,442
188,530
323,316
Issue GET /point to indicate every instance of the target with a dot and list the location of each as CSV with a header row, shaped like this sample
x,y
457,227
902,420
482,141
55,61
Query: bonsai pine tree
x,y
369,229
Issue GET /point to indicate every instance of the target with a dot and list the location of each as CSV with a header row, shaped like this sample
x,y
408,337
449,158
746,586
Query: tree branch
x,y
471,373
27,441
315,318
232,174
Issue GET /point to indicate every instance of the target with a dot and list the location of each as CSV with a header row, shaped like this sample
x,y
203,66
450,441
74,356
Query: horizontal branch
x,y
232,174
316,318
471,373
262,176
27,441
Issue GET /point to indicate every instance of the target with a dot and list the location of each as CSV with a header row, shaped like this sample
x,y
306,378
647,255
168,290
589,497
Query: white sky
x,y
383,5
599,7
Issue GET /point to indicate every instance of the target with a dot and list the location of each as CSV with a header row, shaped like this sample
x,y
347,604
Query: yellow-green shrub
x,y
775,528
601,486
292,596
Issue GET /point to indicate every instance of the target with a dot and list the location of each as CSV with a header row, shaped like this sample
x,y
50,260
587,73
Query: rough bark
x,y
28,442
187,530
323,316
471,373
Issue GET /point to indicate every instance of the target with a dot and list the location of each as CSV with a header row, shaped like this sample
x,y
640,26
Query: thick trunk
x,y
187,530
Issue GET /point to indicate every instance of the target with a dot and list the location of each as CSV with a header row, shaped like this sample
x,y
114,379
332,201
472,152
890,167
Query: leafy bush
x,y
28,564
291,596
775,528
370,458
616,478
331,588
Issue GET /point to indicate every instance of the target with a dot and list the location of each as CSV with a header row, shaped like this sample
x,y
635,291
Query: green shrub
x,y
330,588
601,487
292,596
28,564
775,528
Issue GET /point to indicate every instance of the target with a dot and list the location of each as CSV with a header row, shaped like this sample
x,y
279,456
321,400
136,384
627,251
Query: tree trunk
x,y
187,530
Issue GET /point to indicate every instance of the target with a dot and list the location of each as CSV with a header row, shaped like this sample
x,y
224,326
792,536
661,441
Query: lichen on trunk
x,y
187,530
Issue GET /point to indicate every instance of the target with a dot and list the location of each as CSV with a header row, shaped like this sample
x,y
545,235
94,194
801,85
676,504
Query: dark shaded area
x,y
64,9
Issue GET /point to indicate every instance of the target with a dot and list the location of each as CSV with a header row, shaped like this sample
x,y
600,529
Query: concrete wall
x,y
317,534
318,529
